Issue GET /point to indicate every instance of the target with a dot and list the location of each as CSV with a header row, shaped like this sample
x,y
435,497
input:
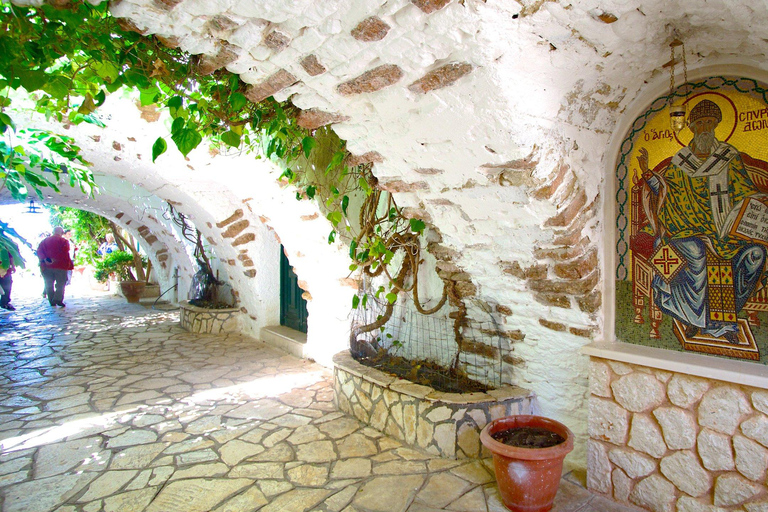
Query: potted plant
x,y
120,265
528,453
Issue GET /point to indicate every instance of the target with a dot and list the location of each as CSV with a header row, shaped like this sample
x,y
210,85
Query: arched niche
x,y
644,302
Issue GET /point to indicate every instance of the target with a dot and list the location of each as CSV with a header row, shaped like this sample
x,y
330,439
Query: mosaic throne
x,y
642,245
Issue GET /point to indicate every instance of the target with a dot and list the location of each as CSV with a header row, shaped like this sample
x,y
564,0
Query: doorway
x,y
293,307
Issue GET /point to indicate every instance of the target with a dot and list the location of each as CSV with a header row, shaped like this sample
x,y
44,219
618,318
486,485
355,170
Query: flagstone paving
x,y
106,406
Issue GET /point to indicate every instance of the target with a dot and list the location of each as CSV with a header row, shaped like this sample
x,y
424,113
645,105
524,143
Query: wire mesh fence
x,y
428,349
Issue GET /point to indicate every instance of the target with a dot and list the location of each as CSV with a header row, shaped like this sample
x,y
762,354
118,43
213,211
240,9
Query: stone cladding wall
x,y
211,321
673,442
445,424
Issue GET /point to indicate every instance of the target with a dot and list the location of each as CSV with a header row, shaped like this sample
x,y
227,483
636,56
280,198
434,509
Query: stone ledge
x,y
445,424
213,321
726,370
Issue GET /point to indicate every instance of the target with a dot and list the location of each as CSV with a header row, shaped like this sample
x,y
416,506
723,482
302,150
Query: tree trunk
x,y
131,246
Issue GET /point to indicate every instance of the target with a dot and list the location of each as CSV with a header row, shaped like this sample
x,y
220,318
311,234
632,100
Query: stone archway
x,y
241,208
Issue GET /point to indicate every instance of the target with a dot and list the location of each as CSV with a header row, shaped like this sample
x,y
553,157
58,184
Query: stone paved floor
x,y
106,406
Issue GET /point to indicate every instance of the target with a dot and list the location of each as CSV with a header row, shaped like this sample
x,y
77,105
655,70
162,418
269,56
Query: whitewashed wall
x,y
507,161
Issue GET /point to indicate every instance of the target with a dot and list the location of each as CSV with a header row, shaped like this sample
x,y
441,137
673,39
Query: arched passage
x,y
241,208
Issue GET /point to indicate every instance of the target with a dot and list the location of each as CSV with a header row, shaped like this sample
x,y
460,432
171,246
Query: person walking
x,y
6,284
53,253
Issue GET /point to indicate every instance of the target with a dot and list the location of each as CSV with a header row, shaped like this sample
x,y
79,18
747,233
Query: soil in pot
x,y
528,437
424,372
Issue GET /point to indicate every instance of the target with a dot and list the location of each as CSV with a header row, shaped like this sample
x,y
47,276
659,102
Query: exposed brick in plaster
x,y
238,214
235,229
573,234
440,77
465,289
562,253
555,326
578,268
167,4
244,239
441,252
428,171
221,25
447,268
370,29
584,333
371,157
559,177
402,186
480,349
245,259
371,81
275,83
210,63
430,6
417,213
277,41
514,361
553,299
539,271
313,119
350,282
569,212
129,26
571,287
312,66
591,302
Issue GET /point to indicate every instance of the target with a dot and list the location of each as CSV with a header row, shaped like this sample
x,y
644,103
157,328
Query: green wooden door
x,y
293,307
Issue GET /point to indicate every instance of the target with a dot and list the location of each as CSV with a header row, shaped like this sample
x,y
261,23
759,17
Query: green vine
x,y
69,60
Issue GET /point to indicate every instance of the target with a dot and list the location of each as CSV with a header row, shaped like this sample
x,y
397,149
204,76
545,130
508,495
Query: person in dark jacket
x,y
6,283
53,253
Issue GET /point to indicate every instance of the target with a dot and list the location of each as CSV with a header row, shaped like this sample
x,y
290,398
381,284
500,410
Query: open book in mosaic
x,y
692,223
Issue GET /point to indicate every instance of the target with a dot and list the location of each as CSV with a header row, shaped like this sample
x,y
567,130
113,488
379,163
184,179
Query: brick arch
x,y
210,188
246,221
156,236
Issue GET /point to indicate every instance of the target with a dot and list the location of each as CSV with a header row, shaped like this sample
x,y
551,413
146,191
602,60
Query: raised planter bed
x,y
212,321
445,424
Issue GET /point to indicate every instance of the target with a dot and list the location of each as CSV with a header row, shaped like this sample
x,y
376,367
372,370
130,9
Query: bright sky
x,y
28,225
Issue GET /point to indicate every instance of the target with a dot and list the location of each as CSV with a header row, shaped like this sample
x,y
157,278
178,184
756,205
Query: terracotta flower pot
x,y
132,290
528,478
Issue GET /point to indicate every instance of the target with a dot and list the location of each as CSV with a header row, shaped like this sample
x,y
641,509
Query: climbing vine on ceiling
x,y
68,58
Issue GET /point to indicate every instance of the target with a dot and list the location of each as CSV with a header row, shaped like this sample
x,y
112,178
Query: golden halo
x,y
727,126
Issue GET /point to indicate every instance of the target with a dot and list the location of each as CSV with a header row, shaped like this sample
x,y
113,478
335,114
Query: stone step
x,y
286,339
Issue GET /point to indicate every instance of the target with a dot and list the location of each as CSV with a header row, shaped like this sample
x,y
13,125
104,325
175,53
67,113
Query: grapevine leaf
x,y
231,138
417,225
158,148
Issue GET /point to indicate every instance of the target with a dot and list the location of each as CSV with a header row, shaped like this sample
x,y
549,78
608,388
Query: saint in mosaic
x,y
693,226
